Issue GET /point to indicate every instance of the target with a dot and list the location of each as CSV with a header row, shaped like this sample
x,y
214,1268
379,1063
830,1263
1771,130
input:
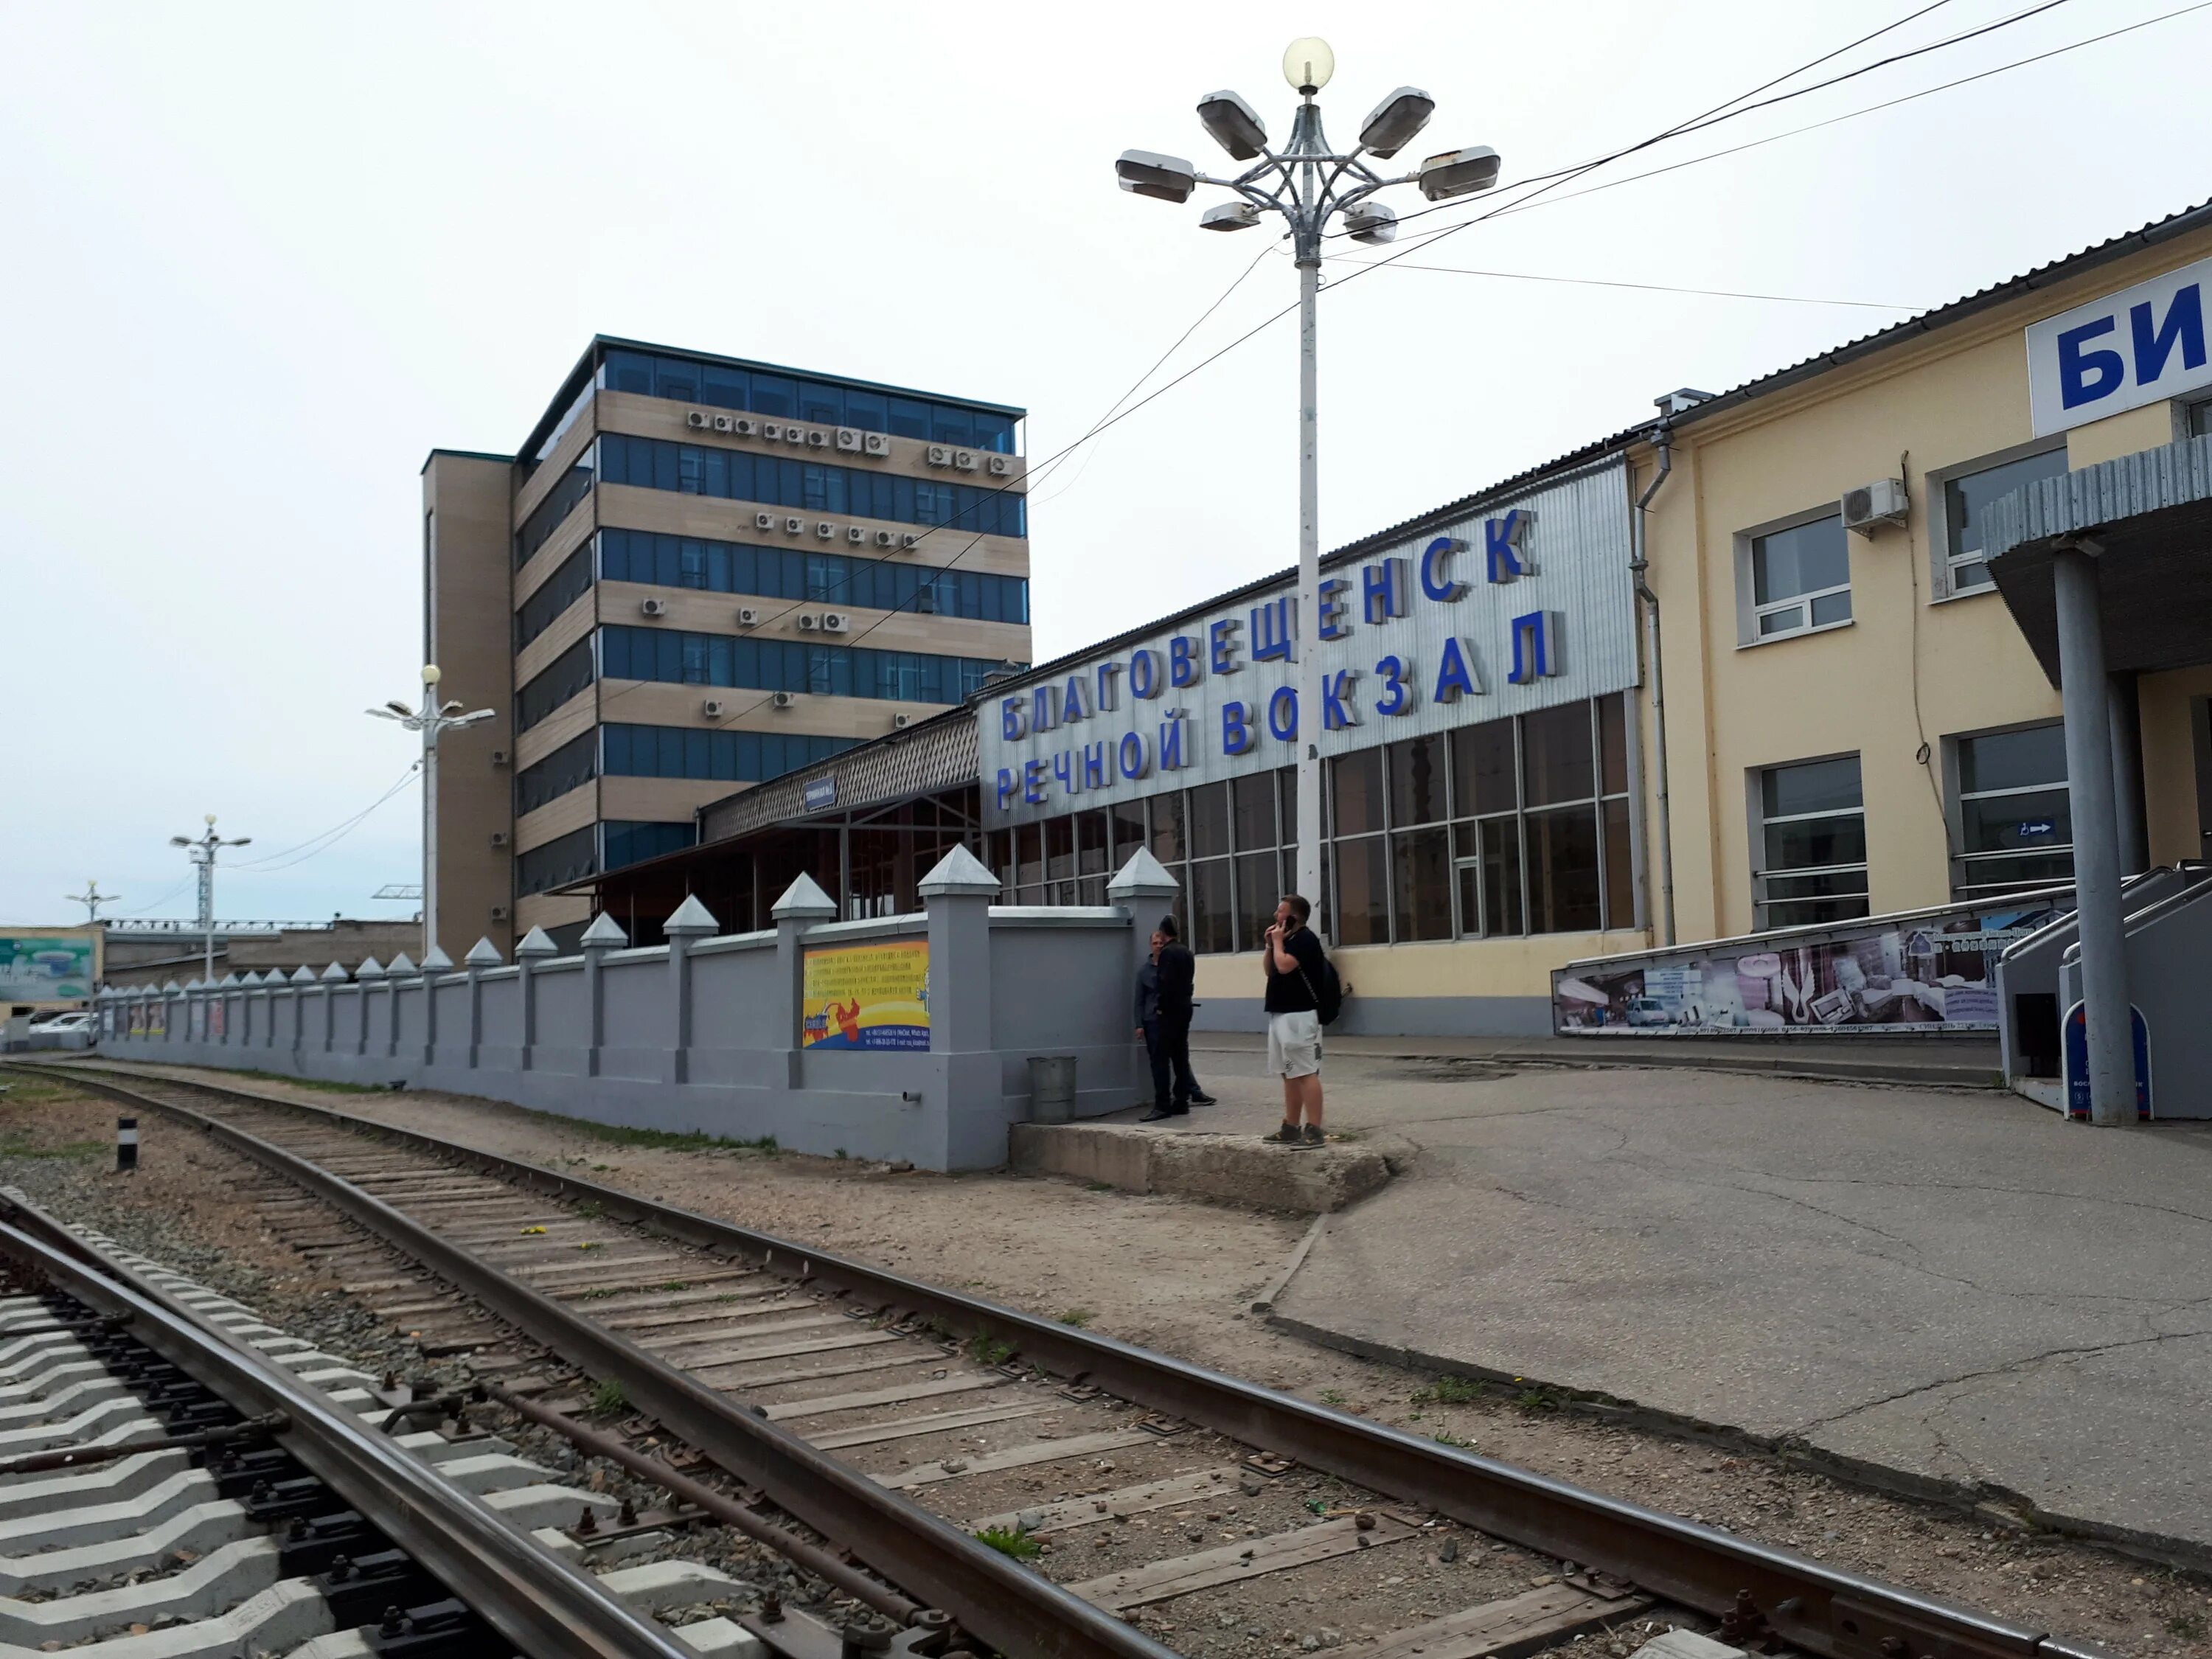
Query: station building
x,y
1745,666
696,573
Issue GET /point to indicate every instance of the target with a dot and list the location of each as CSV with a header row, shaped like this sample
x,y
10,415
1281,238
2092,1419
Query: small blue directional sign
x,y
2035,828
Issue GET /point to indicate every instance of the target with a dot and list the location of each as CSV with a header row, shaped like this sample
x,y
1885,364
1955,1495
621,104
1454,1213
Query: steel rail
x,y
994,1598
546,1606
1805,1603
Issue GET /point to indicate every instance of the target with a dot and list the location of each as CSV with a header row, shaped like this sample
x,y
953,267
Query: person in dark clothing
x,y
1294,963
1164,1010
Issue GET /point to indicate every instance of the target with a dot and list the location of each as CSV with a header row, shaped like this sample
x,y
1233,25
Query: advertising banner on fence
x,y
62,966
1934,971
866,996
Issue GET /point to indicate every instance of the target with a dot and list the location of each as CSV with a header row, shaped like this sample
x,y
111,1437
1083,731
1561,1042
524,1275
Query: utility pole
x,y
1309,184
434,721
92,898
202,853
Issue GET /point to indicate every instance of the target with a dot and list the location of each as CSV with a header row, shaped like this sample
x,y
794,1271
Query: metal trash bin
x,y
1051,1088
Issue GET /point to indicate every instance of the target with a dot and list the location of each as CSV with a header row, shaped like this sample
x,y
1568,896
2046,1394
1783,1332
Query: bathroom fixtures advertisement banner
x,y
865,996
1934,973
48,968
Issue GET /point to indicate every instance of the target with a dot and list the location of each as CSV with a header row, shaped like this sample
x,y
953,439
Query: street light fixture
x,y
1310,184
201,851
435,720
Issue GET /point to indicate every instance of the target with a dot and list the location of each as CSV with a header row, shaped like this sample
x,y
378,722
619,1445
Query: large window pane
x,y
2012,760
1620,867
1029,843
1482,768
1287,777
1555,755
1810,786
1169,842
1363,892
1210,929
1209,820
1417,781
1966,502
1501,875
1420,882
1090,846
1252,803
1812,843
1804,559
1802,843
1257,891
1613,744
1563,890
1128,820
1059,849
1356,792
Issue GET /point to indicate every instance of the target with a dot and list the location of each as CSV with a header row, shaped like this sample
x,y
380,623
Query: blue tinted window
x,y
788,573
569,766
567,858
562,679
547,515
554,596
625,842
775,395
648,653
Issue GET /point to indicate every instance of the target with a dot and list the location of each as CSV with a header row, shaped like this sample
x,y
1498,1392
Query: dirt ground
x,y
1179,1276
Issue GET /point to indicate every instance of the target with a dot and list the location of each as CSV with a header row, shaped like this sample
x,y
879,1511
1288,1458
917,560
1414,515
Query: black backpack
x,y
1329,995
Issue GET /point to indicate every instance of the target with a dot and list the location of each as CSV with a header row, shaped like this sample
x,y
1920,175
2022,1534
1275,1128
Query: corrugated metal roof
x,y
940,753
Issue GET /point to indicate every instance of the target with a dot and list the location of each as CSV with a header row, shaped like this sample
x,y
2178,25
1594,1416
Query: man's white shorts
x,y
1294,1044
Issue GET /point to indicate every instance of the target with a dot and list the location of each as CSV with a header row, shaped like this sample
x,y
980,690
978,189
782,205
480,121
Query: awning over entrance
x,y
2149,518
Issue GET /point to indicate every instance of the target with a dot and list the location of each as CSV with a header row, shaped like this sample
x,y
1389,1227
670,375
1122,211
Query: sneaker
x,y
1202,1100
1159,1112
1288,1135
1314,1136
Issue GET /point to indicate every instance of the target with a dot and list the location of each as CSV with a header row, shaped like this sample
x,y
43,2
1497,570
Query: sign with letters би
x,y
2141,345
1524,602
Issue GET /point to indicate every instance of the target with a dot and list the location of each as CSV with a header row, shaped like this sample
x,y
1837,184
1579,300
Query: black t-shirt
x,y
1292,994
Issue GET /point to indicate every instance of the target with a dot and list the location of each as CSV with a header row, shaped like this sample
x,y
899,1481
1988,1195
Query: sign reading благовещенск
x,y
1525,603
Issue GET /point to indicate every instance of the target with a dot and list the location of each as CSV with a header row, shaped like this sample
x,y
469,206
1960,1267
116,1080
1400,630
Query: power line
x,y
1648,287
269,864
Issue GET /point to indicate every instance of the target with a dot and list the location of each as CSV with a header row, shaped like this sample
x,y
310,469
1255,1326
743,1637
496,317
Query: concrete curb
x,y
1221,1168
1998,1505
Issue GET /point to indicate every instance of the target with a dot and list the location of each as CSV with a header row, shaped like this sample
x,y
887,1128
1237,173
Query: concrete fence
x,y
918,1051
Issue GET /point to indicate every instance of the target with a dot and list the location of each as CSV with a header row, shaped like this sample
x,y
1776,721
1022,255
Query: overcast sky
x,y
259,260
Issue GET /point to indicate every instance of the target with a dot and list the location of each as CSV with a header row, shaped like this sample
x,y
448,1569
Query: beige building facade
x,y
696,574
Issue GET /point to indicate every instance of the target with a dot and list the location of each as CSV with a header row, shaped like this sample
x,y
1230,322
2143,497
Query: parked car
x,y
72,1029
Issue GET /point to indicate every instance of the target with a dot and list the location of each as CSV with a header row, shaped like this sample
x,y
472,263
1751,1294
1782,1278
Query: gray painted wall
x,y
599,1036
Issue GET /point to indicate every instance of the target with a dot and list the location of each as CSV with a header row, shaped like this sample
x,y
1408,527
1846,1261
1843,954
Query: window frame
x,y
1943,563
1955,797
1757,822
1748,607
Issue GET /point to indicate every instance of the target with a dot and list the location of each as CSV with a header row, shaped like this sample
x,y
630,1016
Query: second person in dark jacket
x,y
1163,1009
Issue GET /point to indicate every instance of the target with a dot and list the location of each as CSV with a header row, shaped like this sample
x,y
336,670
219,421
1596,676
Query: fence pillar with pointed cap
x,y
333,977
537,946
1144,887
804,905
435,963
370,973
604,934
296,998
958,894
397,972
482,955
692,921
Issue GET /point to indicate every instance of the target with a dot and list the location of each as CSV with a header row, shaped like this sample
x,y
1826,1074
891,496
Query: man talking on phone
x,y
1295,967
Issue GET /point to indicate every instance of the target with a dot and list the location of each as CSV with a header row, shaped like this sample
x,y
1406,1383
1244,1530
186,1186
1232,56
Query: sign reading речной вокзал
x,y
1526,603
2144,344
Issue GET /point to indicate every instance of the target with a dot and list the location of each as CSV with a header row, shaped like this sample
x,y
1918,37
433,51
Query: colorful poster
x,y
217,1010
48,967
866,996
1937,972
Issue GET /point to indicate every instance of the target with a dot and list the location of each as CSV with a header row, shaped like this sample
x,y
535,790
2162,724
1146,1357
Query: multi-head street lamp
x,y
433,720
1309,185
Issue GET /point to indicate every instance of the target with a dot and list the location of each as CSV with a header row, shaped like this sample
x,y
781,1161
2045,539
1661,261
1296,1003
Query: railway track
x,y
1050,1490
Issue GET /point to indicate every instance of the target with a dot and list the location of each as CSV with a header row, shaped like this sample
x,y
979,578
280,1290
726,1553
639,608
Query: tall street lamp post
x,y
435,720
202,853
1309,185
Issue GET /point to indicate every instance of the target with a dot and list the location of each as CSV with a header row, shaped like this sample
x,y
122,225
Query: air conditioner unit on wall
x,y
781,700
964,460
499,758
835,622
499,912
875,443
712,709
794,434
900,722
1870,507
854,533
809,622
817,440
745,426
764,520
826,530
654,607
848,440
499,838
771,430
908,541
697,420
794,527
724,423
937,455
1001,466
747,616
886,539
